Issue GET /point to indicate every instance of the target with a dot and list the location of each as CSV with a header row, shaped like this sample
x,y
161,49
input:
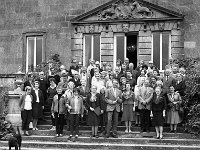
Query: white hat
x,y
62,67
74,71
63,72
97,63
126,59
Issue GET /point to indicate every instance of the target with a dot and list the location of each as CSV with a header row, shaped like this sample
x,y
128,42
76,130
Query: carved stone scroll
x,y
126,9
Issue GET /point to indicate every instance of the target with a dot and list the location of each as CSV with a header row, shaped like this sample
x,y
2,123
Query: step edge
x,y
110,144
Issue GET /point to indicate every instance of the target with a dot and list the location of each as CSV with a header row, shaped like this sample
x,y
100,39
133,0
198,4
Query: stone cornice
x,y
173,15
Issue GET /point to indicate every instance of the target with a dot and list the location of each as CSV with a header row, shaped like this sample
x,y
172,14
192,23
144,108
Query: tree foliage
x,y
53,65
191,100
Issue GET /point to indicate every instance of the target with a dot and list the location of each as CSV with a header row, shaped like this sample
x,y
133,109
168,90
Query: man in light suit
x,y
144,97
113,98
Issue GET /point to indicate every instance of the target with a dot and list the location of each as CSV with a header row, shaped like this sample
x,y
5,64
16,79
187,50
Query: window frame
x,y
92,48
115,47
161,61
26,35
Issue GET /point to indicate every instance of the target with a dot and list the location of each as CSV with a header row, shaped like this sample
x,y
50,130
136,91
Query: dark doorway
x,y
131,51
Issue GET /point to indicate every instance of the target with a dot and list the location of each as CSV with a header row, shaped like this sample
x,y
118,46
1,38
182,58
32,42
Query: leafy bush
x,y
5,128
53,64
191,100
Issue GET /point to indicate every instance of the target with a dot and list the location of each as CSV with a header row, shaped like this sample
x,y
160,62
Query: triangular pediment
x,y
127,10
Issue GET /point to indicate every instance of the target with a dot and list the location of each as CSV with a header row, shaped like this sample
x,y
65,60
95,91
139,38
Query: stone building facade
x,y
32,30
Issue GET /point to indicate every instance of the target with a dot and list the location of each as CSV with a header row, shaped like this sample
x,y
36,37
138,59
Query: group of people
x,y
104,96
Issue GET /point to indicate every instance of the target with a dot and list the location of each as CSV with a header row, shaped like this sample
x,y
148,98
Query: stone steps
x,y
103,145
128,139
119,128
122,134
45,139
6,148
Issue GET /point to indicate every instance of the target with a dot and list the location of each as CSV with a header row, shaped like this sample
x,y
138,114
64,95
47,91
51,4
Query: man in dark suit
x,y
74,66
29,82
113,98
117,74
76,79
168,80
43,84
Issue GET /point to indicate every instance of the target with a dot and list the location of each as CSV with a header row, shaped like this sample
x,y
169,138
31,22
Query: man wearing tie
x,y
113,98
144,97
168,80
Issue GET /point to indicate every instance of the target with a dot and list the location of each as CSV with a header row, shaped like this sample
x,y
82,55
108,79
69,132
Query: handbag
x,y
97,111
181,112
177,107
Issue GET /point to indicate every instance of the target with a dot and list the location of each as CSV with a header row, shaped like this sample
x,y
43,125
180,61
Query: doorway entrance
x,y
131,49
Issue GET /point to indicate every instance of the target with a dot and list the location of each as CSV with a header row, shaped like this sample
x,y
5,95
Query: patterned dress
x,y
173,116
128,99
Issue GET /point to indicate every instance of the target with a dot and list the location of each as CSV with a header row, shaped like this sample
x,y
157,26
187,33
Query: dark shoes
x,y
107,136
26,133
171,131
70,137
114,136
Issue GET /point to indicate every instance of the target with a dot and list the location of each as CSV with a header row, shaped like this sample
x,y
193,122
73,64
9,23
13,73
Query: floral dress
x,y
173,116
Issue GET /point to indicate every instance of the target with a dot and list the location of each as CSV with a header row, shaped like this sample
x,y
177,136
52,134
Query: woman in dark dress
x,y
38,104
92,104
158,112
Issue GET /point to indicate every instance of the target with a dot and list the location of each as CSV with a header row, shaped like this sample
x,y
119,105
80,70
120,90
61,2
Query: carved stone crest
x,y
161,26
91,28
125,9
125,27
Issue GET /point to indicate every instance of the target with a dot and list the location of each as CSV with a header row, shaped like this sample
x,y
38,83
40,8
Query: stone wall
x,y
53,16
190,26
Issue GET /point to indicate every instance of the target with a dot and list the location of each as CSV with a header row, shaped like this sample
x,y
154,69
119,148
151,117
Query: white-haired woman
x,y
93,105
163,91
158,111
